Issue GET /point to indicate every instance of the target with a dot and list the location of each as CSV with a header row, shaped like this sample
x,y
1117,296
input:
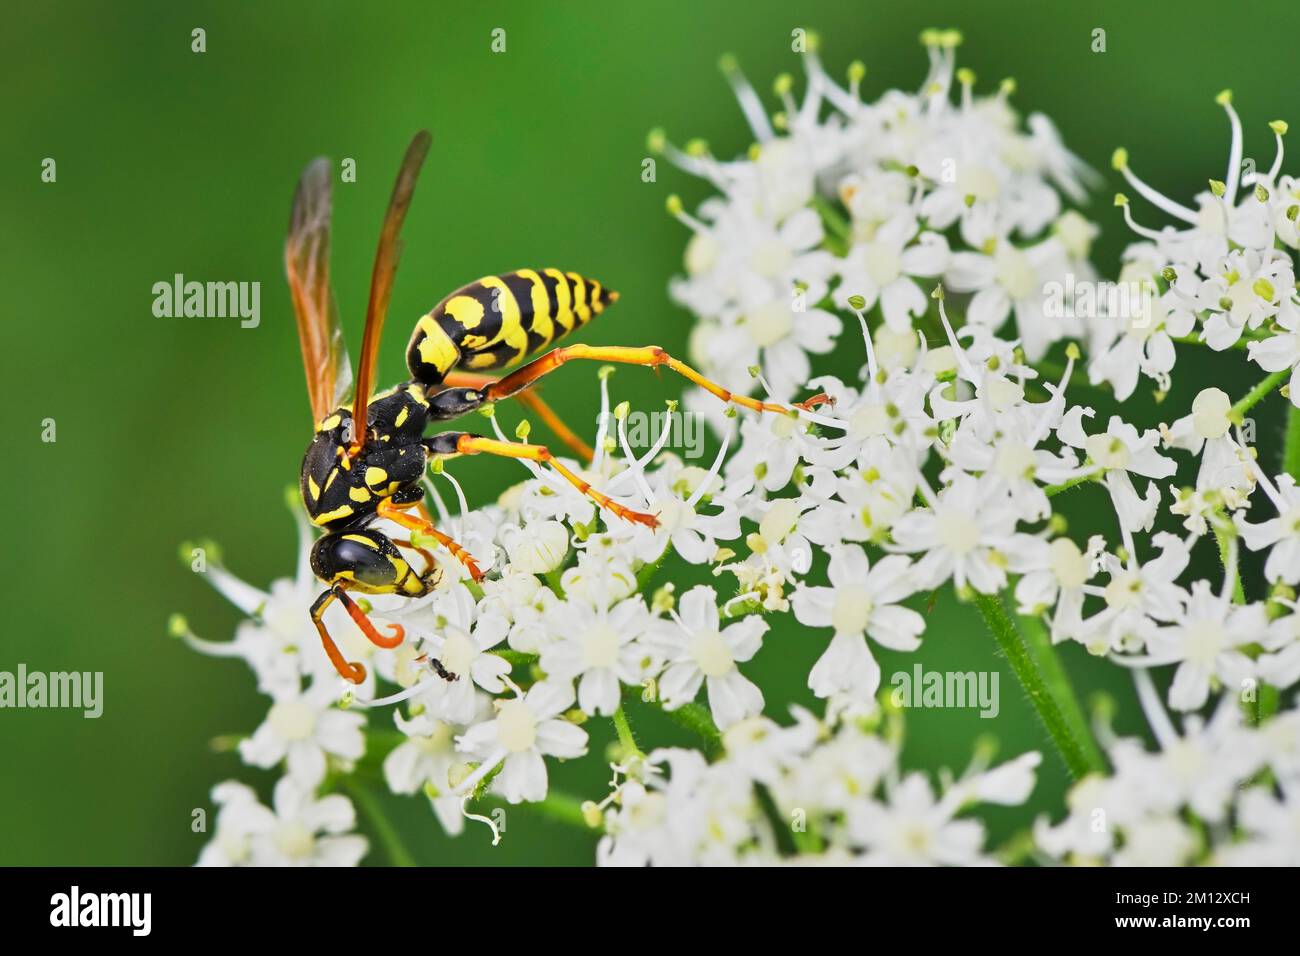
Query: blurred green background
x,y
171,161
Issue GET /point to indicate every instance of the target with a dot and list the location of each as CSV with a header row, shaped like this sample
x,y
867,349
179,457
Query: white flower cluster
x,y
836,793
937,465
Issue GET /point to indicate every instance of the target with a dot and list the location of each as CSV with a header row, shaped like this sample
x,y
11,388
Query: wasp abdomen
x,y
500,320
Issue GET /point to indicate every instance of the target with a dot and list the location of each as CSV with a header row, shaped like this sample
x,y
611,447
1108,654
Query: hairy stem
x,y
1081,757
625,736
1259,393
1058,684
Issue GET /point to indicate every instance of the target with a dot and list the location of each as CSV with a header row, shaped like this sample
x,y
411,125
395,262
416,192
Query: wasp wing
x,y
307,264
381,277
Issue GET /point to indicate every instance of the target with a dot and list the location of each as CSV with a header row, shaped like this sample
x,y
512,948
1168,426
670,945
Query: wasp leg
x,y
534,401
808,404
396,513
350,670
465,444
430,562
651,356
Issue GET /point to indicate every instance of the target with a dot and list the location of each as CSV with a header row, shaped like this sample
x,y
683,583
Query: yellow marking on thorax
x,y
436,347
563,300
375,476
334,473
465,309
342,511
401,417
361,495
313,488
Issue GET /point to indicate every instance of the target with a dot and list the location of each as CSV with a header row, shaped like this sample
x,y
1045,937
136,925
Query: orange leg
x,y
424,525
808,404
650,355
474,445
534,401
350,670
430,562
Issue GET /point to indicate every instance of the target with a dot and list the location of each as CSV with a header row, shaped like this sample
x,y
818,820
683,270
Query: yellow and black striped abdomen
x,y
500,320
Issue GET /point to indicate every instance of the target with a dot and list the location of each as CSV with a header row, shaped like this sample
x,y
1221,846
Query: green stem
x,y
1058,684
515,658
1092,476
1258,393
398,855
1074,752
836,224
1221,536
625,735
1291,450
697,719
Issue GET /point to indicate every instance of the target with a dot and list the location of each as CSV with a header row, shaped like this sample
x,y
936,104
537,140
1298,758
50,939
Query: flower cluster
x,y
931,228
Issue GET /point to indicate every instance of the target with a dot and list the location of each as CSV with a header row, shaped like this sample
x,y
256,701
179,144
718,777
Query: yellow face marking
x,y
436,347
465,309
563,300
313,488
401,417
330,423
360,495
375,476
342,511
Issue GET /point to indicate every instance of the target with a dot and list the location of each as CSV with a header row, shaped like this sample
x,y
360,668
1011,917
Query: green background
x,y
171,161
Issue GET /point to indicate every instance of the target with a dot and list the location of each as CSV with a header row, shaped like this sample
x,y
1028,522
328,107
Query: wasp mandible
x,y
351,476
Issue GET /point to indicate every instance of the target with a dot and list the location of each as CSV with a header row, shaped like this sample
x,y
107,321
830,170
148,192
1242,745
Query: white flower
x,y
915,829
1280,535
424,761
461,637
1206,643
881,270
699,651
966,537
862,601
301,729
526,728
299,831
599,647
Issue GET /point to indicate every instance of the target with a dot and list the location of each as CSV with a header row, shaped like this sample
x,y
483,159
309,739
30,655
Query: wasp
x,y
367,457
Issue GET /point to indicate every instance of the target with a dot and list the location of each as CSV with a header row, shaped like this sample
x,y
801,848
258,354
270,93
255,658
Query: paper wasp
x,y
352,476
